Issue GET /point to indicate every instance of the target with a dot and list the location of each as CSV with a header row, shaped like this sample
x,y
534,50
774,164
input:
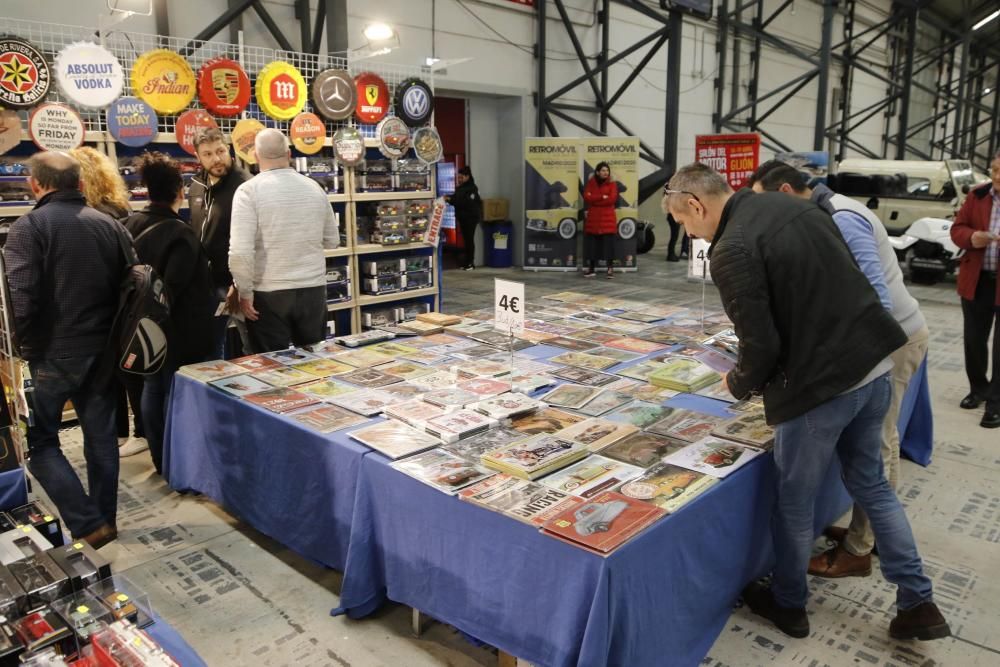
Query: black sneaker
x,y
923,622
793,622
469,268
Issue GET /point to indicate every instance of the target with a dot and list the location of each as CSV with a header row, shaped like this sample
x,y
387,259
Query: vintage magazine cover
x,y
545,420
325,389
482,368
280,399
427,358
369,377
570,395
393,349
506,406
574,344
620,356
750,428
686,425
413,412
445,472
642,449
367,402
323,368
256,362
584,360
639,414
713,456
484,387
718,391
459,424
591,476
527,383
606,401
583,376
326,418
473,448
667,486
363,358
406,370
241,385
640,371
664,336
529,502
451,398
604,523
636,345
211,370
535,456
593,336
286,376
393,439
440,379
404,391
649,393
597,433
290,356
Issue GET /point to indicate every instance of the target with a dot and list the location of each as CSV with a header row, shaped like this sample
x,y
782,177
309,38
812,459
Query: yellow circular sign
x,y
281,91
242,137
163,80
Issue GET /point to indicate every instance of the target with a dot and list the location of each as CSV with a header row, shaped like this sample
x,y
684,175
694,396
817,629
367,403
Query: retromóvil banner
x,y
551,196
622,156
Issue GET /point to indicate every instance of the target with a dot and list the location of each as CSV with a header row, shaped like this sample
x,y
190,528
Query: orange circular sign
x,y
373,98
308,133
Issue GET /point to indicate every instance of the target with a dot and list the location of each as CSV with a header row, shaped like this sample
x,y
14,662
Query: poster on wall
x,y
551,203
735,156
622,156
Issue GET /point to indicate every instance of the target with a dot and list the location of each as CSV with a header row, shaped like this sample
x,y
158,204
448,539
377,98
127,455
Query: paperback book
x,y
573,344
520,499
620,356
584,360
597,433
371,378
451,399
280,399
636,345
640,371
286,376
749,428
457,425
405,370
404,391
414,412
211,370
684,374
325,389
445,472
507,406
439,379
241,385
604,402
686,425
570,395
535,456
290,356
439,319
605,522
326,418
367,402
545,420
582,376
363,358
591,476
256,362
667,486
639,414
393,439
323,368
420,327
473,448
484,387
713,456
642,449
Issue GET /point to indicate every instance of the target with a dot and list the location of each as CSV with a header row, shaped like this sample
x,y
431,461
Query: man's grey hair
x,y
270,144
55,170
698,179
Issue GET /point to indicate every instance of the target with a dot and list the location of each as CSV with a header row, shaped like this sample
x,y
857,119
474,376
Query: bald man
x,y
282,222
64,265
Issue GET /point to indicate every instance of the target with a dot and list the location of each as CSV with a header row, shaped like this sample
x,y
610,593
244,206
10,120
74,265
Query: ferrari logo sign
x,y
371,94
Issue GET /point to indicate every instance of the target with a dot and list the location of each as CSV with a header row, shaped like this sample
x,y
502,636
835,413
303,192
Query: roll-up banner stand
x,y
551,203
622,156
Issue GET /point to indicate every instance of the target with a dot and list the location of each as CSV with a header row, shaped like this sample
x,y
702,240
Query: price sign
x,y
699,266
508,306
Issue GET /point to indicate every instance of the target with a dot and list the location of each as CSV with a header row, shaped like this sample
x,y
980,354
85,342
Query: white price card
x,y
508,306
699,266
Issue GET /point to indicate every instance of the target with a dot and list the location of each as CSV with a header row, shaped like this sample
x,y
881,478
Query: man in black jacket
x,y
211,201
815,340
163,241
64,267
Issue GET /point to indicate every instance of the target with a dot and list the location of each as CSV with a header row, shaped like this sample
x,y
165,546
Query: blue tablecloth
x,y
13,490
284,479
174,644
916,421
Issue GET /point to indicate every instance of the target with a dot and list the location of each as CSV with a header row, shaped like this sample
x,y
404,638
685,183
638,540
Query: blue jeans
x,y
77,379
849,426
220,325
155,397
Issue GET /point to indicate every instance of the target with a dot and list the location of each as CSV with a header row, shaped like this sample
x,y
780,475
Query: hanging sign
x,y
373,98
334,95
281,90
132,122
189,124
89,75
10,130
433,233
164,80
735,156
243,136
393,137
223,87
308,132
55,127
427,145
24,74
414,102
349,146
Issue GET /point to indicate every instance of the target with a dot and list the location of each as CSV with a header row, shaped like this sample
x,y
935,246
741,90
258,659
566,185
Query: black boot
x,y
672,257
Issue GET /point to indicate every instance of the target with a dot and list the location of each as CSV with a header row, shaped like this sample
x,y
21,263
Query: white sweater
x,y
281,223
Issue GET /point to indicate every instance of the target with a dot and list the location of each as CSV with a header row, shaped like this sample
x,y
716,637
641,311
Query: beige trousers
x,y
906,361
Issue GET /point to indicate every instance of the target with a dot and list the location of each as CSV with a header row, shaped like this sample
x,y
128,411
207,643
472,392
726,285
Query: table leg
x,y
419,622
505,659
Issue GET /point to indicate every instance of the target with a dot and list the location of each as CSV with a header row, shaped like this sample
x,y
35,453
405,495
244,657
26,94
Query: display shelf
x,y
392,196
339,198
372,299
372,248
343,305
16,210
342,251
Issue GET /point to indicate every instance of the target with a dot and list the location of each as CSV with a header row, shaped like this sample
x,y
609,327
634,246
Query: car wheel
x,y
922,276
646,241
626,228
567,228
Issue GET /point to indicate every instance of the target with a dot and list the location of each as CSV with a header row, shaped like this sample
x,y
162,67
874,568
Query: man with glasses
x,y
818,350
977,231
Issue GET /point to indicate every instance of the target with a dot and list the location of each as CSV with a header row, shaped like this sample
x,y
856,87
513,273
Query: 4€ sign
x,y
508,306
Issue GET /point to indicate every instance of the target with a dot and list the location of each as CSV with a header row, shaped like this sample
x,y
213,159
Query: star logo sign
x,y
17,74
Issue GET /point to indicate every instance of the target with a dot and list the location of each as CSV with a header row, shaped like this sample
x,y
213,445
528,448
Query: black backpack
x,y
138,336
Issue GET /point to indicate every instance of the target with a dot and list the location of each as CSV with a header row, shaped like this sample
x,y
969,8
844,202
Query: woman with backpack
x,y
170,246
600,227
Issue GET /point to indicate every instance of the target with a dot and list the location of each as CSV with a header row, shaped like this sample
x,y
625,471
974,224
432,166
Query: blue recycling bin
x,y
499,238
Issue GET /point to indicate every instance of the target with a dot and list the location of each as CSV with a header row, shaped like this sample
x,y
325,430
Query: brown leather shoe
x,y
838,562
923,622
101,537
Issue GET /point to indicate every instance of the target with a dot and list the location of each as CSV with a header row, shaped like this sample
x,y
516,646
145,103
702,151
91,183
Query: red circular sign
x,y
284,91
223,87
189,124
373,98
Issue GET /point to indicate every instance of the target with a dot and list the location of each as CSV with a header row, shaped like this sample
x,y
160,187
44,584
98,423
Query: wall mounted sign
x,y
414,102
89,75
164,80
132,122
24,74
10,130
307,133
349,146
55,127
333,94
427,145
281,90
243,136
189,124
223,87
373,98
393,137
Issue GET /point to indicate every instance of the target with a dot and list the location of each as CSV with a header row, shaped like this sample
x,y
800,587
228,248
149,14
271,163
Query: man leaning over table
x,y
818,349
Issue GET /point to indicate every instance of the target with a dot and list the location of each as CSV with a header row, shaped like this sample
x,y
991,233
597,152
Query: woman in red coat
x,y
600,227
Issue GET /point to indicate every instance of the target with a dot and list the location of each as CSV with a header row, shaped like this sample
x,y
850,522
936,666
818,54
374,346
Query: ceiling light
x,y
430,62
986,20
987,91
378,32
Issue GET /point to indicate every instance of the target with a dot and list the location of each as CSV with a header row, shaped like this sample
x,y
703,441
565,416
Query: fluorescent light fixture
x,y
438,64
379,32
131,7
987,91
986,20
430,62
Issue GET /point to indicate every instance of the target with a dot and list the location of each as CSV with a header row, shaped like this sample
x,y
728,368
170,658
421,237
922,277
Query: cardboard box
x,y
496,209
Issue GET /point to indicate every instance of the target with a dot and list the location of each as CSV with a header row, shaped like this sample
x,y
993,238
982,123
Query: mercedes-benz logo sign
x,y
334,94
414,102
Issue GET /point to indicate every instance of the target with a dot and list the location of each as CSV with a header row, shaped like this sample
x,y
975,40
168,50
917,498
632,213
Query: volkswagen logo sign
x,y
414,102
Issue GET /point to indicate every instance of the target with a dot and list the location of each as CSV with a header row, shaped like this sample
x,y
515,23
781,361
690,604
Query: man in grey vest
x,y
868,241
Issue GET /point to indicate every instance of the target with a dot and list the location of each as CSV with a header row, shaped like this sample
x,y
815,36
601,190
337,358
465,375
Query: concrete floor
x,y
240,598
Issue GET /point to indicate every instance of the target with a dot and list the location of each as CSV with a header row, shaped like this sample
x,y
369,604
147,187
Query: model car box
x,y
44,628
418,279
12,595
124,600
42,580
81,563
36,515
11,646
496,209
378,317
21,542
84,613
383,285
338,292
384,267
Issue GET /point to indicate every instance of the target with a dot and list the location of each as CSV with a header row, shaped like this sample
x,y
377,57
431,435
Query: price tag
x,y
48,517
78,545
699,266
83,609
121,597
508,306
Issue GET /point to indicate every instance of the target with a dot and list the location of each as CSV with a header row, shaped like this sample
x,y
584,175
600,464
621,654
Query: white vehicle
x,y
926,250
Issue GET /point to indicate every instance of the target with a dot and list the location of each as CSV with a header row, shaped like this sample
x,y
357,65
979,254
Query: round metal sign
x,y
281,90
55,127
427,145
349,146
414,102
223,87
333,94
308,133
10,130
243,136
164,80
132,122
189,124
24,74
373,98
393,137
89,75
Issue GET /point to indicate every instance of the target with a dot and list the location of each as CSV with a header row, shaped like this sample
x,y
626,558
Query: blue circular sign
x,y
132,122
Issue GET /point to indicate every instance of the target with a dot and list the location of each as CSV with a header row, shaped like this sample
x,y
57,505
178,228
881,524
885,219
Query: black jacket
x,y
810,324
64,268
467,202
174,251
211,213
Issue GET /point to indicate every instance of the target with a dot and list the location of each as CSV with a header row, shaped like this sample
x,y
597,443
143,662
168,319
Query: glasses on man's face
x,y
668,191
